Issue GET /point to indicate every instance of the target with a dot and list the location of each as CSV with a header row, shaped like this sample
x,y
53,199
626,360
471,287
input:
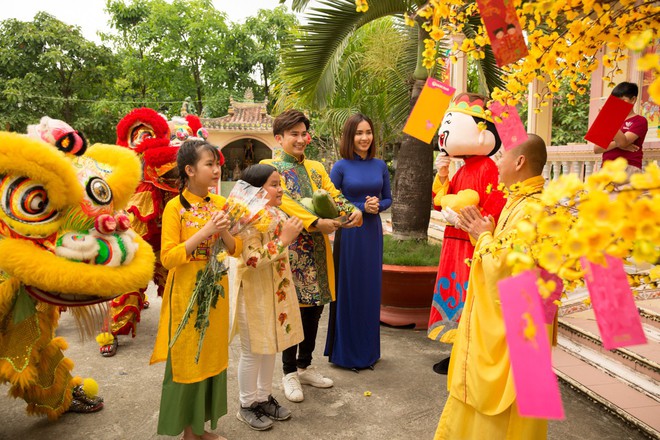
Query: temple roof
x,y
243,116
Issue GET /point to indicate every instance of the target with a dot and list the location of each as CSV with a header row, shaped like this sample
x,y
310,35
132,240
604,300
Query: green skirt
x,y
193,404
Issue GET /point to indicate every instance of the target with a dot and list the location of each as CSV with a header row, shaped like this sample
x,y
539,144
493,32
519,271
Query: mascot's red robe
x,y
460,135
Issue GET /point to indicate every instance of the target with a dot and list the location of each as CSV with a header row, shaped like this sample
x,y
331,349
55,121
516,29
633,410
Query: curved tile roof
x,y
243,116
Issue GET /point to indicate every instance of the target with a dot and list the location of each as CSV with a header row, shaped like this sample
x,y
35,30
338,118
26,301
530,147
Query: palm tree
x,y
313,64
373,77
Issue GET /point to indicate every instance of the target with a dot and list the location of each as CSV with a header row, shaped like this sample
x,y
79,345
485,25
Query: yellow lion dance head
x,y
63,235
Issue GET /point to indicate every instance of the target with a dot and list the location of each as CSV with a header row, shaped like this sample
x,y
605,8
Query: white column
x,y
458,70
589,169
541,123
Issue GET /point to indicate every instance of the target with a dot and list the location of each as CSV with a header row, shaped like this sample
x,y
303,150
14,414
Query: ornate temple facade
x,y
245,136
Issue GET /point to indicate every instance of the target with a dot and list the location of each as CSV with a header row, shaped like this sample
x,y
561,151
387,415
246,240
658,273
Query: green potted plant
x,y
409,272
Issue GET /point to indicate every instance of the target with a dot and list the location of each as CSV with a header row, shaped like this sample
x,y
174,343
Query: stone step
x,y
649,311
582,329
626,380
618,388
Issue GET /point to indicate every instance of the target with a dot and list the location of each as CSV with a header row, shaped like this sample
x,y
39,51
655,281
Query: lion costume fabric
x,y
63,242
466,132
156,141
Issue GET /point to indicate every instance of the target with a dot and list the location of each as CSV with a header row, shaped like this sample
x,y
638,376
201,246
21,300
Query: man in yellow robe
x,y
482,397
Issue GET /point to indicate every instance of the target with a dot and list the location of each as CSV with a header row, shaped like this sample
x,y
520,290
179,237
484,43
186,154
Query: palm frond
x,y
488,69
314,56
298,5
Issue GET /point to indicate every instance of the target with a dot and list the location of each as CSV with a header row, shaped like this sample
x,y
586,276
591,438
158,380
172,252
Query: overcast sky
x,y
90,15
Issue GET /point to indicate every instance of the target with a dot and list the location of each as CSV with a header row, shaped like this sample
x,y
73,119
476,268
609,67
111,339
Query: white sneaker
x,y
292,388
310,376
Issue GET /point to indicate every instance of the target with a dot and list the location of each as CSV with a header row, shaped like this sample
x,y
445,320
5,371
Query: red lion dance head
x,y
147,133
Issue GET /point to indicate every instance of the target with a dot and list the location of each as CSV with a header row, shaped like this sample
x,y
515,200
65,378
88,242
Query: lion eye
x,y
99,191
25,200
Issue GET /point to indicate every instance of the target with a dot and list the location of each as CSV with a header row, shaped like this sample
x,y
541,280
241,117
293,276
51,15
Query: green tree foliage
x,y
569,122
50,69
170,49
373,78
267,33
159,53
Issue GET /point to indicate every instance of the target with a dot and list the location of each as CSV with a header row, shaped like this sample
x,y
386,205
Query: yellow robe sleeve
x,y
172,248
439,190
340,200
294,209
238,247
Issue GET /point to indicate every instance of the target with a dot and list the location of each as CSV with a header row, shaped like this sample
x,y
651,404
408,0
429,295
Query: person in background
x,y
628,141
353,339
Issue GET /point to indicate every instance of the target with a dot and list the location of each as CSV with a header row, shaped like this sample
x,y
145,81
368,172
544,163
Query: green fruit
x,y
324,205
308,204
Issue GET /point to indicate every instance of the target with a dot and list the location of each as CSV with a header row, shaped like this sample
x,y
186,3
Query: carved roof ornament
x,y
243,116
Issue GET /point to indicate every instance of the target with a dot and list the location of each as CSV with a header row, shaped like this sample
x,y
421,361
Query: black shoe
x,y
442,367
273,410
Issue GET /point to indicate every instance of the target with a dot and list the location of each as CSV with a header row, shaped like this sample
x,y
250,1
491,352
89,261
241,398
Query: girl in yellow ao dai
x,y
193,393
265,310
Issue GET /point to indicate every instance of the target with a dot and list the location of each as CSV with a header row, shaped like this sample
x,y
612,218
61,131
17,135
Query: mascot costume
x,y
156,142
62,241
467,133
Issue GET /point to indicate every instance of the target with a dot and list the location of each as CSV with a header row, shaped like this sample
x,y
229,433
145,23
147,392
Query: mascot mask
x,y
466,129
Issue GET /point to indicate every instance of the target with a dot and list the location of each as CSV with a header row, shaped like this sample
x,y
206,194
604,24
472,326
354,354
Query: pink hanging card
x,y
609,120
504,31
549,306
537,389
616,314
429,109
511,130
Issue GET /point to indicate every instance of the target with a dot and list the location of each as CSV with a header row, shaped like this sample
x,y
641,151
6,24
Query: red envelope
x,y
537,389
609,120
504,31
616,314
429,109
511,130
549,306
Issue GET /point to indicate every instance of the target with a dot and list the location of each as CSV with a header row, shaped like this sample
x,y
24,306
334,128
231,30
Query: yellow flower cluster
x,y
429,53
221,256
264,220
361,5
564,39
571,219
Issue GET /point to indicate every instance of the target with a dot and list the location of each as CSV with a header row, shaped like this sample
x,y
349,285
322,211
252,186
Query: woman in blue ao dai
x,y
353,339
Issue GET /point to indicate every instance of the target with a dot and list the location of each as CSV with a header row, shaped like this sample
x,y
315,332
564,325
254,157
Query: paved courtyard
x,y
405,403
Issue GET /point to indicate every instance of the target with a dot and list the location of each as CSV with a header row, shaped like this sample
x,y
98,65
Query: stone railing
x,y
580,159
